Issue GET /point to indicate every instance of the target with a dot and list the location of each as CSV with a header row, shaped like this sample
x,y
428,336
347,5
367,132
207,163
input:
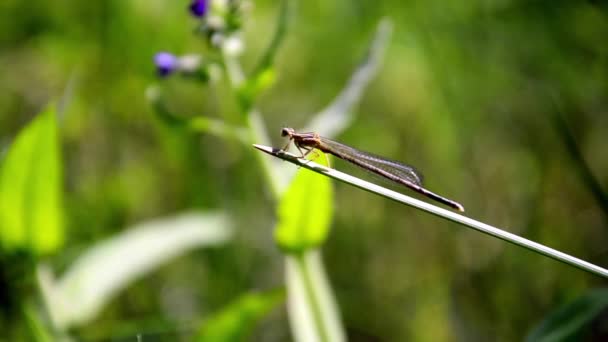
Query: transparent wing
x,y
394,167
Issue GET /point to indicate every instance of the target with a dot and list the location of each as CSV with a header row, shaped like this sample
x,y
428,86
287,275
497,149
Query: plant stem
x,y
315,290
311,296
443,213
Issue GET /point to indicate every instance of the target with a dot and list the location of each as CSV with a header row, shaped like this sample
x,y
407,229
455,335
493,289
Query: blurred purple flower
x,y
199,8
165,63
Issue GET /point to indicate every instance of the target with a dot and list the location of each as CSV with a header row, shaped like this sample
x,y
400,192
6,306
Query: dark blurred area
x,y
501,104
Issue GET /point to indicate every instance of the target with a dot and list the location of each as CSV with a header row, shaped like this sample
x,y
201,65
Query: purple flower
x,y
165,63
199,8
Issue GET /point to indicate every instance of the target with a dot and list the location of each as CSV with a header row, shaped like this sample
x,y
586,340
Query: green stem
x,y
255,126
257,132
311,295
440,212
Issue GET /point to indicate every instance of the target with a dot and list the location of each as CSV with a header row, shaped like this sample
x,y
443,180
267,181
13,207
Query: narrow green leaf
x,y
576,321
339,114
39,332
110,266
31,213
236,321
264,74
305,212
269,55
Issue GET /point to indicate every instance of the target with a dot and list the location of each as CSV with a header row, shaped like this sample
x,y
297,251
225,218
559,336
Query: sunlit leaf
x,y
110,266
236,321
579,320
305,211
31,213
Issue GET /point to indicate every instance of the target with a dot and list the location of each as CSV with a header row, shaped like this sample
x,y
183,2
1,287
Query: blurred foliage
x,y
235,322
584,319
470,94
110,265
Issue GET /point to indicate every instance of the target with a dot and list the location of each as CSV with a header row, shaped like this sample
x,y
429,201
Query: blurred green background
x,y
501,104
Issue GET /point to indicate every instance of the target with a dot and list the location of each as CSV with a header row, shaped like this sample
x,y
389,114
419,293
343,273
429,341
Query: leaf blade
x,y
31,213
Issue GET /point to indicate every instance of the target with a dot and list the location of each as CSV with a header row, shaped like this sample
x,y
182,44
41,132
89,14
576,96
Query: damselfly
x,y
389,169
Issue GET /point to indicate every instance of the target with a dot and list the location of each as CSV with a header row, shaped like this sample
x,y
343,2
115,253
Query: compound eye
x,y
284,132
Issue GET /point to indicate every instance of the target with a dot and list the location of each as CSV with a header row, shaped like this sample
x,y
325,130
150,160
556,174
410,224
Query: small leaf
x,y
111,265
263,80
264,74
236,321
251,89
31,213
305,211
580,320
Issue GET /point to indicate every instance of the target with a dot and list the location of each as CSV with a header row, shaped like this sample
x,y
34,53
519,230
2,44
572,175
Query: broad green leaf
x,y
305,211
110,266
31,216
236,321
574,321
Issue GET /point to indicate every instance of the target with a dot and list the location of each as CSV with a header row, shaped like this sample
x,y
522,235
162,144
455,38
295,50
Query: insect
x,y
389,169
